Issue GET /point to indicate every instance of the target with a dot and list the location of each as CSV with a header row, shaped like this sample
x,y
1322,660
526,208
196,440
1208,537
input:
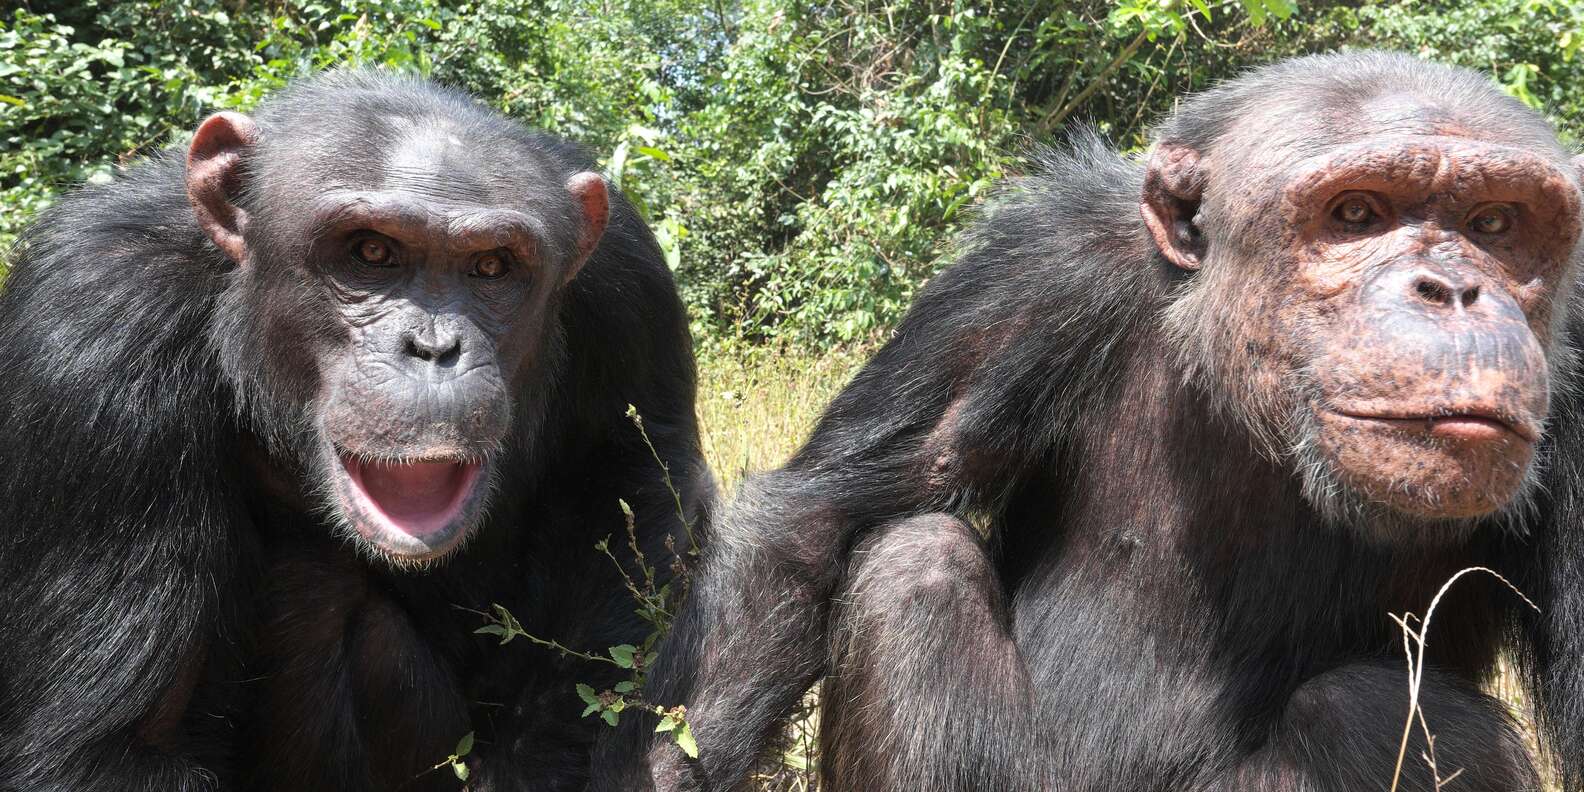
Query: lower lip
x,y
1462,428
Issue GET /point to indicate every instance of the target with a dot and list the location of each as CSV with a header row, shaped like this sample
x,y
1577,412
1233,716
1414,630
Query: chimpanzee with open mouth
x,y
279,410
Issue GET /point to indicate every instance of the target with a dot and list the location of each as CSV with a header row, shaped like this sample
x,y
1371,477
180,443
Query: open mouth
x,y
413,508
1465,426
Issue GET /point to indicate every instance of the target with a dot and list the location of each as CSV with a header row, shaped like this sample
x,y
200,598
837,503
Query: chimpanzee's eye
x,y
372,251
1354,210
491,265
1492,219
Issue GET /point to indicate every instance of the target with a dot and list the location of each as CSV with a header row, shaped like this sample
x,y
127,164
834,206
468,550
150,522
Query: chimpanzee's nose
x,y
1443,289
1436,296
434,345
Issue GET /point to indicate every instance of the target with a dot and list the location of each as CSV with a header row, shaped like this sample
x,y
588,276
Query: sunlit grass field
x,y
756,407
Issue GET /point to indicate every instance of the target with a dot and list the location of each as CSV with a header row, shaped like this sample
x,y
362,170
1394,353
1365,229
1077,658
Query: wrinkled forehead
x,y
1453,173
1408,114
432,159
1436,165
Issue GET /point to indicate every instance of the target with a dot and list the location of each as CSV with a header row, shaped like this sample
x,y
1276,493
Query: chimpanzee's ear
x,y
1173,185
214,176
593,203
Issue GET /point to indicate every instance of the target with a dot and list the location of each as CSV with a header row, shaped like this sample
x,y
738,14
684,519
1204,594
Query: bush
x,y
801,162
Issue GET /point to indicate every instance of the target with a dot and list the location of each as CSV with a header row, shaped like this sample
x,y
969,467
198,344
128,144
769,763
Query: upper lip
x,y
444,459
1512,423
369,455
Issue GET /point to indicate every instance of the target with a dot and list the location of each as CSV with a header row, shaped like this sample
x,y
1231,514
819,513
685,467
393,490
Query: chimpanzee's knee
x,y
932,561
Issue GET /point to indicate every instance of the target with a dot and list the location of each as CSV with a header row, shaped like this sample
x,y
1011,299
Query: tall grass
x,y
757,404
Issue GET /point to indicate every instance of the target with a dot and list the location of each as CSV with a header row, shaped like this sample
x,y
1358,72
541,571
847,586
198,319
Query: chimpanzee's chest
x,y
346,686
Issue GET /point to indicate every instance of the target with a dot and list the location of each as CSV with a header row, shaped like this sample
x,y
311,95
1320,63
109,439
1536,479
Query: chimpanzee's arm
x,y
1550,565
921,429
968,396
120,519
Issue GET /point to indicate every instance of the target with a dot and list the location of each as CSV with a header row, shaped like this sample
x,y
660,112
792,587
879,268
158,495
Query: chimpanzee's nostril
x,y
1444,290
442,351
1433,291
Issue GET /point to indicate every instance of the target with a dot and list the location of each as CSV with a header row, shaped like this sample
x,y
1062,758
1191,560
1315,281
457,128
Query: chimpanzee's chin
x,y
412,510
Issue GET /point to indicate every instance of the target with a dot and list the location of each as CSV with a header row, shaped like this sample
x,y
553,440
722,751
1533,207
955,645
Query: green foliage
x,y
655,605
800,162
457,761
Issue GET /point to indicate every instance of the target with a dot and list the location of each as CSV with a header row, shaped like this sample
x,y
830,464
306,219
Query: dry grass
x,y
756,408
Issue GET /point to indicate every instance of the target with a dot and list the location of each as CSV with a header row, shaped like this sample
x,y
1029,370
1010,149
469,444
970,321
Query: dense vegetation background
x,y
801,161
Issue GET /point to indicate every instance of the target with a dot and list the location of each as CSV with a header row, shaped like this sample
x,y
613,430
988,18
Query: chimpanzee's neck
x,y
1167,463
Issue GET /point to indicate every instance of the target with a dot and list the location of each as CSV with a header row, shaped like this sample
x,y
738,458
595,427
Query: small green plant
x,y
656,602
458,758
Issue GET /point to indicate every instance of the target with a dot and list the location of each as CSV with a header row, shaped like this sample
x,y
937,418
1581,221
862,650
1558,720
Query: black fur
x,y
155,540
1157,605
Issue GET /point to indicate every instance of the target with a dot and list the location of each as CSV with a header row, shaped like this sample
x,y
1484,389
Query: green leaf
x,y
461,770
587,694
684,740
609,716
643,133
653,153
626,686
618,164
465,745
1281,8
12,100
1256,11
623,655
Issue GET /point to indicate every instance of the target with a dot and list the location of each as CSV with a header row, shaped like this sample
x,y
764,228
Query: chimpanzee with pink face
x,y
1129,499
282,411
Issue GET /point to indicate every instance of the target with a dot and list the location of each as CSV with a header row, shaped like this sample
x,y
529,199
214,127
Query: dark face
x,y
438,306
1392,310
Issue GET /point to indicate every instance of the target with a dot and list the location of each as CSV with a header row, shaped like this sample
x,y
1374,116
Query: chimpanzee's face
x,y
441,302
1383,313
1427,272
429,303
